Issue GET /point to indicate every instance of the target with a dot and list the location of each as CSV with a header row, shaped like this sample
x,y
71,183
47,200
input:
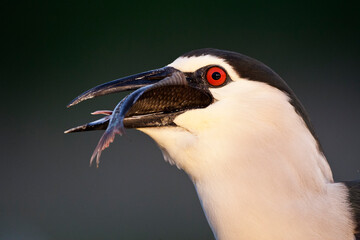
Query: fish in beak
x,y
158,97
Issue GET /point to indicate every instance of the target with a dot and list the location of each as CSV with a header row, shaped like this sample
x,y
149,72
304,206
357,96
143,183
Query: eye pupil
x,y
216,75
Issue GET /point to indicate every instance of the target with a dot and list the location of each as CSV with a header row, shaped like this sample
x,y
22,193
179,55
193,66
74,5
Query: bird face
x,y
160,96
204,94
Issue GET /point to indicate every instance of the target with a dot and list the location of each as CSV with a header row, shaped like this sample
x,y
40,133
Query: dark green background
x,y
52,51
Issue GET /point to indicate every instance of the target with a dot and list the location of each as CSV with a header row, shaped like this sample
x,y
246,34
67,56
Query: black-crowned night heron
x,y
237,129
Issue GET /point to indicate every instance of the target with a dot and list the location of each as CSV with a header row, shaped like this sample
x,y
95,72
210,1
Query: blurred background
x,y
54,50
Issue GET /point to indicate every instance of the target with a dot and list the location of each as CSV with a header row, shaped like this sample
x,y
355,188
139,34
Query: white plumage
x,y
257,169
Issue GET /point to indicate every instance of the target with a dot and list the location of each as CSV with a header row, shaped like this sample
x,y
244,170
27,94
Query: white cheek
x,y
234,103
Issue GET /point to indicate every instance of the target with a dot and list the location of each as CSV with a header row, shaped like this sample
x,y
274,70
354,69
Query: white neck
x,y
257,168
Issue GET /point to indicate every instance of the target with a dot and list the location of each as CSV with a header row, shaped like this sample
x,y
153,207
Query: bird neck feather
x,y
256,166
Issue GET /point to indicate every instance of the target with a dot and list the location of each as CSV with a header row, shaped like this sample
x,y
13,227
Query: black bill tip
x,y
122,84
100,124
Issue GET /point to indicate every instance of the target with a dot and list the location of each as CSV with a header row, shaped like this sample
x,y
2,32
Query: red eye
x,y
216,76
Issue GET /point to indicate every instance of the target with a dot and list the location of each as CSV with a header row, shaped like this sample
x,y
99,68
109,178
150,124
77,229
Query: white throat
x,y
256,167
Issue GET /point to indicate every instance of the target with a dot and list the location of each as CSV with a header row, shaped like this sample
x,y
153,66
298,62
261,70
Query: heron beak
x,y
122,84
160,95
